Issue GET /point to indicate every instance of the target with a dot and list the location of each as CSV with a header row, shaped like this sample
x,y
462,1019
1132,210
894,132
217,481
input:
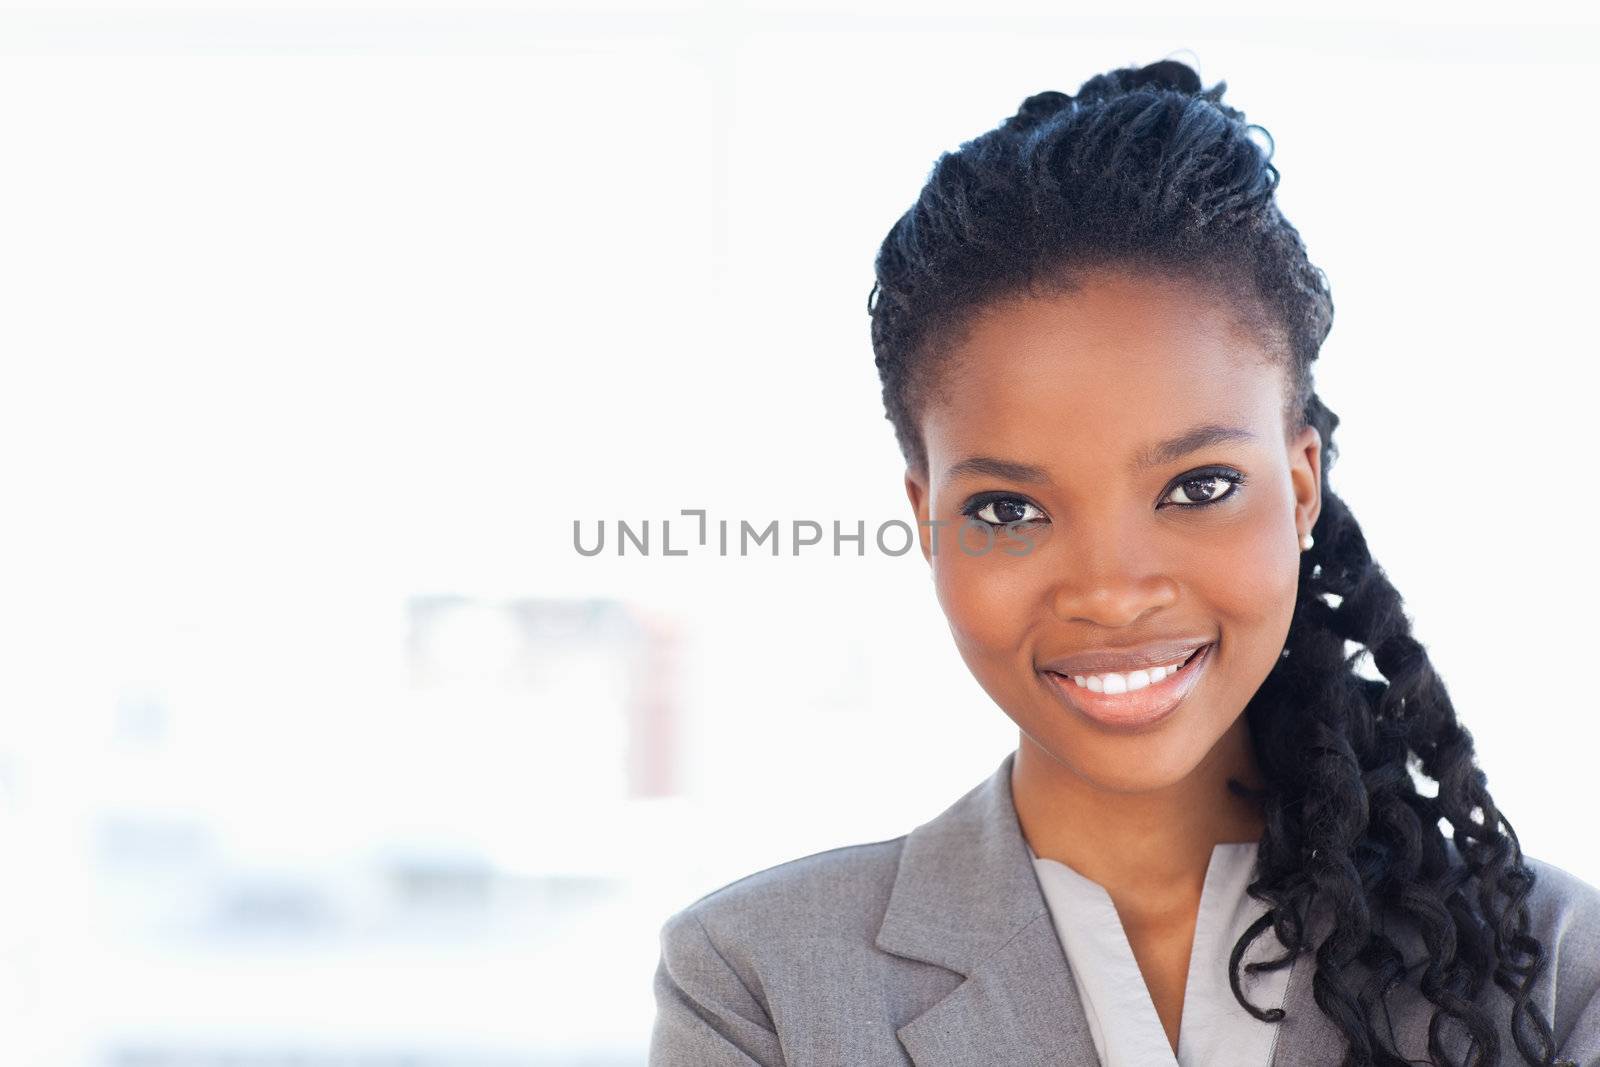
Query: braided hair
x,y
1143,167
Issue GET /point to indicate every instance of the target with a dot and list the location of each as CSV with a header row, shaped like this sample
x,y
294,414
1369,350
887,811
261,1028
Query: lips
x,y
1124,660
1136,709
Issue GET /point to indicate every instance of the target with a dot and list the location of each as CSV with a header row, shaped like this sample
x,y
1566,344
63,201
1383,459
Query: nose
x,y
1111,577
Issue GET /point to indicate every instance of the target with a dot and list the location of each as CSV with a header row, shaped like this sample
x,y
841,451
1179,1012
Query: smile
x,y
1127,683
1135,700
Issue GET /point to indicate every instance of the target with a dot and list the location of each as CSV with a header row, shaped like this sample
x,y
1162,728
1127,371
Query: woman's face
x,y
1056,414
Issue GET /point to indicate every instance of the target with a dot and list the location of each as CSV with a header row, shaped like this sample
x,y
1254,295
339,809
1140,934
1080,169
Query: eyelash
x,y
1233,478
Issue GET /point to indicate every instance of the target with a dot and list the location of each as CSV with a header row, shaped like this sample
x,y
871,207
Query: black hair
x,y
1144,169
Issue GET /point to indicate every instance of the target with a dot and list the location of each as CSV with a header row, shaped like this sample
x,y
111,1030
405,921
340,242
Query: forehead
x,y
1108,367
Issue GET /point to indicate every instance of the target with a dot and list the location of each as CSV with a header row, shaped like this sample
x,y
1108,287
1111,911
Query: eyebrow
x,y
1191,440
1203,436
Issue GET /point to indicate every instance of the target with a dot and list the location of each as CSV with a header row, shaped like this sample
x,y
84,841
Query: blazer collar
x,y
966,898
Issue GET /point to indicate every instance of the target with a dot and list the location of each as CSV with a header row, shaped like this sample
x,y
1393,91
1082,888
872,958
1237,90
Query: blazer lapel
x,y
966,898
1306,1035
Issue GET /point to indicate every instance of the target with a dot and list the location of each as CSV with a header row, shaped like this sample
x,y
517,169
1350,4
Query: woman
x,y
1095,333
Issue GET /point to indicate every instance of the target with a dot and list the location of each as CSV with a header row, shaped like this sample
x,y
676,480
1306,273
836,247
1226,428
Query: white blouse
x,y
1214,1028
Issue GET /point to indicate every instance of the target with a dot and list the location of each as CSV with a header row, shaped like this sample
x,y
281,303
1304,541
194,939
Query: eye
x,y
1203,488
1002,510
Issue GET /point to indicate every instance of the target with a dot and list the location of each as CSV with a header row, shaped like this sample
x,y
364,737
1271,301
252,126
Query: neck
x,y
1152,847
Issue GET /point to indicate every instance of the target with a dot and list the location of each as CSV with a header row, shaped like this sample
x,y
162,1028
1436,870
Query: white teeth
x,y
1126,683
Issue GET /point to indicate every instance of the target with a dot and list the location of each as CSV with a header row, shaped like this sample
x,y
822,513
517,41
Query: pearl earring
x,y
1306,542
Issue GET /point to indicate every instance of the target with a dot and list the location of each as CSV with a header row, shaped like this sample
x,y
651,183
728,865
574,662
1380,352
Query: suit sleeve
x,y
1577,950
705,1014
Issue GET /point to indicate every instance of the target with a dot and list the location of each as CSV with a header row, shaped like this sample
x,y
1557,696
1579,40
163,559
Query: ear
x,y
1305,473
921,501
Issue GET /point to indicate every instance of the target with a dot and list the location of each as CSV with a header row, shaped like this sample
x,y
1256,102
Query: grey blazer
x,y
936,949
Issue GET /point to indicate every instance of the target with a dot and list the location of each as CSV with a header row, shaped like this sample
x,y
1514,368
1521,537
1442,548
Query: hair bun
x,y
1162,74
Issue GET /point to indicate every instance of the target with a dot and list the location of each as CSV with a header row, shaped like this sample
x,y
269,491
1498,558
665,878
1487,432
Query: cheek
x,y
987,604
1251,584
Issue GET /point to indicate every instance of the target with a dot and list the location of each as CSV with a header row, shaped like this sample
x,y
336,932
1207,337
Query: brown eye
x,y
1004,511
1204,489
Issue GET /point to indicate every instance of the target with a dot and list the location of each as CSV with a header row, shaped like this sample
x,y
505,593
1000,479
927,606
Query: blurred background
x,y
320,741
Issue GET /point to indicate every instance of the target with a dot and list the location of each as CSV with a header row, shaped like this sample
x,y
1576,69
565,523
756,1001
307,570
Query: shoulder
x,y
776,952
1569,904
766,946
841,892
1563,909
1564,914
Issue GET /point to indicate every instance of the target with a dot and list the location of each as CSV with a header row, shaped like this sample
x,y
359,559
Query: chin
x,y
1128,764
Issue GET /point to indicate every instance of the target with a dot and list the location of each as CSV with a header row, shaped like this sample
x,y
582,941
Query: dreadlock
x,y
1144,168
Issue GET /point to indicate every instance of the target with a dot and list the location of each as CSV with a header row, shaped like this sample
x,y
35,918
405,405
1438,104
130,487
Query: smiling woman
x,y
1095,333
